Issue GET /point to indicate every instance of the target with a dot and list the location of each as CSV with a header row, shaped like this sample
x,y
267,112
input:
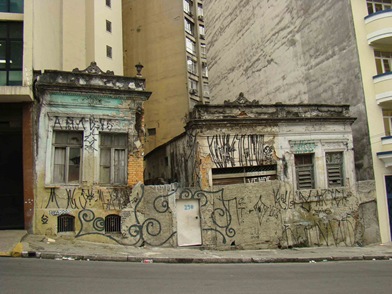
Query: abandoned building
x,y
88,143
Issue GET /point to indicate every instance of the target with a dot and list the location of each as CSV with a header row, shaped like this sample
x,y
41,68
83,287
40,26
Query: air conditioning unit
x,y
201,17
193,91
202,36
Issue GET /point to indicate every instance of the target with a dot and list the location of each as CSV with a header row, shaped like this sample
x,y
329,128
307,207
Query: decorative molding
x,y
93,68
241,100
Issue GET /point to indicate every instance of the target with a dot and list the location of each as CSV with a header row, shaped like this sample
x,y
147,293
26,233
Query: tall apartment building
x,y
313,52
168,39
37,35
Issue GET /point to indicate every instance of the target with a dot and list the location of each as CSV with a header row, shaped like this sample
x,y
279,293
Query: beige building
x,y
308,52
168,39
38,35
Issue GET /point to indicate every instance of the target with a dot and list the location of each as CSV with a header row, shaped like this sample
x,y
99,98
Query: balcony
x,y
383,89
379,28
386,151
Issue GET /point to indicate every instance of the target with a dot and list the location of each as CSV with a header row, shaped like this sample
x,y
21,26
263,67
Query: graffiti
x,y
200,194
263,209
59,212
239,150
90,125
319,232
258,179
44,219
52,198
71,202
283,199
321,197
222,217
118,198
141,232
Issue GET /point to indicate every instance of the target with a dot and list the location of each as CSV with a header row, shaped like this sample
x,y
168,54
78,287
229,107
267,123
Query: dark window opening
x,y
108,26
243,174
109,51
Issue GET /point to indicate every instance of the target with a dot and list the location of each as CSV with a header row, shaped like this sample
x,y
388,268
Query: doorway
x,y
188,222
11,169
388,186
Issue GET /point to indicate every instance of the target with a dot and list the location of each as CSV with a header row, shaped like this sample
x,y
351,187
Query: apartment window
x,y
190,46
113,158
67,157
204,69
65,223
378,5
200,9
387,122
108,26
109,51
304,171
109,3
206,90
203,50
189,26
13,6
193,85
383,61
113,224
188,6
202,32
334,162
192,65
11,53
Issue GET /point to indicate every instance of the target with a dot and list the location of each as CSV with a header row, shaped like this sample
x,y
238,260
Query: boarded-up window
x,y
304,171
67,157
334,161
113,158
243,174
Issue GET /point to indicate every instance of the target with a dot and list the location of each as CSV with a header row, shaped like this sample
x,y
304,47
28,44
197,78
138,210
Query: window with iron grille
x,y
113,224
304,171
11,53
65,223
113,158
334,161
67,157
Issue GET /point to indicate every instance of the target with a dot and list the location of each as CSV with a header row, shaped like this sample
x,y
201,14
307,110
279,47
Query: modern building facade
x,y
168,39
40,35
305,52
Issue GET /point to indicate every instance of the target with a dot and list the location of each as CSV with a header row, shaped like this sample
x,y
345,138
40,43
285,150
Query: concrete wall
x,y
252,216
289,52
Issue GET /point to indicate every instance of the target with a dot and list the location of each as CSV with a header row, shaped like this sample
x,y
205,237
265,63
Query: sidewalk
x,y
36,246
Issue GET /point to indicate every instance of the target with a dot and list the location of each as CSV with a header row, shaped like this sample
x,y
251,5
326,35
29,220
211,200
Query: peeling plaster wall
x,y
290,52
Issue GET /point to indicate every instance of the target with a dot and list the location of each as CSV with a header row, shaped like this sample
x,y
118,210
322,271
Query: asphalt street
x,y
19,275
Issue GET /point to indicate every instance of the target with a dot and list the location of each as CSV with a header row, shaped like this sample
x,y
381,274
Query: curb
x,y
199,260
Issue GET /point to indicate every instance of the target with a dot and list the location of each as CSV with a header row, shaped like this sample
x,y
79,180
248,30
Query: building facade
x,y
168,39
88,147
39,35
305,52
256,175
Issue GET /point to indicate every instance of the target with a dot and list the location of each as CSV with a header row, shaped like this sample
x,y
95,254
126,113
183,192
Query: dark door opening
x,y
11,171
388,185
